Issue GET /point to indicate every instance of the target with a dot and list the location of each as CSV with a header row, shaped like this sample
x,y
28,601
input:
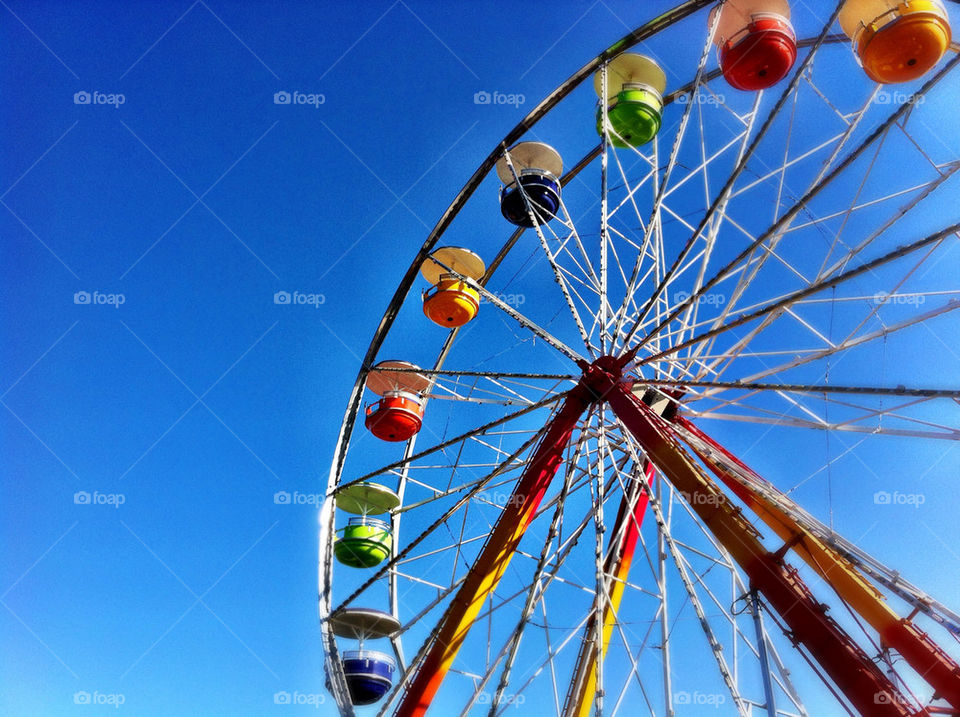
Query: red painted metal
x,y
917,648
868,689
495,556
616,566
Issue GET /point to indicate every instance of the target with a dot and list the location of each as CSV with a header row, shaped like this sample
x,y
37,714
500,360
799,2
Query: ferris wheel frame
x,y
877,571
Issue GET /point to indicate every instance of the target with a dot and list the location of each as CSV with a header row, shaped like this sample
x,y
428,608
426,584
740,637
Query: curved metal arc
x,y
535,115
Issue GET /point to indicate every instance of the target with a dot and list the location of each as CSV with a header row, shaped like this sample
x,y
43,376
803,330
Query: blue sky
x,y
156,397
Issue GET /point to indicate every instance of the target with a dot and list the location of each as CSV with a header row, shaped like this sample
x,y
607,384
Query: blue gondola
x,y
369,675
535,173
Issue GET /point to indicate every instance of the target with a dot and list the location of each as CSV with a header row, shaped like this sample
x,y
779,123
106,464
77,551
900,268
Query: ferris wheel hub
x,y
598,375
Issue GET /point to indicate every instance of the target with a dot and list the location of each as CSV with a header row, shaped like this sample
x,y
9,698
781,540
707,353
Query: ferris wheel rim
x,y
447,217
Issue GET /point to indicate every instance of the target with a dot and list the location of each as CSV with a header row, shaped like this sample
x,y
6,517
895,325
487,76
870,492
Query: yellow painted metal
x,y
930,662
488,568
826,561
588,688
617,568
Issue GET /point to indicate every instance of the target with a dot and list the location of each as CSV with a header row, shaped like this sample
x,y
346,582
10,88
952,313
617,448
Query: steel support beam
x,y
616,569
491,564
865,686
934,665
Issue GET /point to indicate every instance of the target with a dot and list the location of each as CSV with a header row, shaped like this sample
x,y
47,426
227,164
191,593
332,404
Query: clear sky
x,y
157,194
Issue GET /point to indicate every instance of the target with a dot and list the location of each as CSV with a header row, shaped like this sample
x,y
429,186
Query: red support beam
x,y
868,689
616,568
933,665
489,567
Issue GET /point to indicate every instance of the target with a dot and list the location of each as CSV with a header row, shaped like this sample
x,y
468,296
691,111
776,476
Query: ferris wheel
x,y
538,506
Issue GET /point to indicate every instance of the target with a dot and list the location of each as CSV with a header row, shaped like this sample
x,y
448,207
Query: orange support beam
x,y
917,648
616,565
868,689
489,567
